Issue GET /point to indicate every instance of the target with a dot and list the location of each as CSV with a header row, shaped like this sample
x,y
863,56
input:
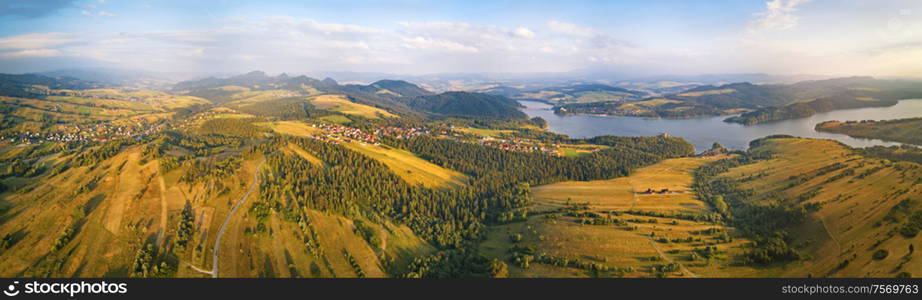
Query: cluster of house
x,y
98,132
44,91
518,145
402,133
337,133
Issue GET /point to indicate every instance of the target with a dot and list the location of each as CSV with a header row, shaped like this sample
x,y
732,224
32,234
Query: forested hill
x,y
25,85
806,109
256,80
577,93
748,95
902,130
761,102
808,98
399,87
465,104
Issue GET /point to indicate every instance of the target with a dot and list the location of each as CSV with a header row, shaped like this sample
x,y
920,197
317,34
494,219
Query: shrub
x,y
880,254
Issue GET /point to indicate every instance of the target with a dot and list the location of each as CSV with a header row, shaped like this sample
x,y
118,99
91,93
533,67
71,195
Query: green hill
x,y
901,130
578,93
464,104
806,109
762,102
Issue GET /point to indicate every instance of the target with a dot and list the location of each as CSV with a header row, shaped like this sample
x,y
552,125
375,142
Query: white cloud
x,y
572,29
37,40
287,44
778,15
31,53
523,32
425,43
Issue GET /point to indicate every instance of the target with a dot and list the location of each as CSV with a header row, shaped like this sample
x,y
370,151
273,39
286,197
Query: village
x,y
94,132
336,134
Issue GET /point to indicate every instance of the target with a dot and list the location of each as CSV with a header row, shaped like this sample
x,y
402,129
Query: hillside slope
x,y
901,130
862,214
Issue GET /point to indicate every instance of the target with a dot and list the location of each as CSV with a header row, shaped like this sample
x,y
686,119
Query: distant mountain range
x,y
476,82
395,95
25,85
488,95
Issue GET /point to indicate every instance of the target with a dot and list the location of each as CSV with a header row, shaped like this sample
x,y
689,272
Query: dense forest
x,y
464,104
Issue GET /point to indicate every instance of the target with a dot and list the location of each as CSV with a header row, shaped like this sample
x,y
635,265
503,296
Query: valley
x,y
279,176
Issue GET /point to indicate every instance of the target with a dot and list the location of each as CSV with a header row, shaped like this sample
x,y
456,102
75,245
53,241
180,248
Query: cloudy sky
x,y
823,37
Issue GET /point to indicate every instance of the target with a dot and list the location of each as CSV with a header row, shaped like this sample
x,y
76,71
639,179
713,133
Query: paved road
x,y
217,242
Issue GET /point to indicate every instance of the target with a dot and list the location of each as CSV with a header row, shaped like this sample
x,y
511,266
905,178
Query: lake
x,y
702,132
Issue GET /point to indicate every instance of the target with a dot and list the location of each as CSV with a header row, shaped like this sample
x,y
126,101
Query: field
x,y
300,152
279,251
294,128
708,92
628,249
405,164
568,95
652,103
336,119
251,97
410,167
854,199
122,209
339,103
571,150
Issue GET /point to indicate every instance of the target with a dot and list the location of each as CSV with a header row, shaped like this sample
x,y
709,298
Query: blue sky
x,y
831,37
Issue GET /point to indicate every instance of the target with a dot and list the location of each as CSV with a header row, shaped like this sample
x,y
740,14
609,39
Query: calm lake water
x,y
702,132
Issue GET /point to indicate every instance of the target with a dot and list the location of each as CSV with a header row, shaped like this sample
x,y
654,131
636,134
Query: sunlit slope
x,y
857,199
93,221
410,167
102,214
405,164
624,247
340,103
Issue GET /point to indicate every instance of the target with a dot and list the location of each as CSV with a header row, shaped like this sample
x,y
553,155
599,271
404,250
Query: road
x,y
653,242
829,233
164,212
669,260
217,242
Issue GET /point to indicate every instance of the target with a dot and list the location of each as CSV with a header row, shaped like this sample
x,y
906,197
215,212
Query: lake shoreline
x,y
704,131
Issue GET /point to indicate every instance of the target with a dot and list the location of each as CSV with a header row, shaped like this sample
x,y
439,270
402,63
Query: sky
x,y
784,37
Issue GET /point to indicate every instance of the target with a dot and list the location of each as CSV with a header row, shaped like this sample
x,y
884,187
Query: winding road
x,y
217,242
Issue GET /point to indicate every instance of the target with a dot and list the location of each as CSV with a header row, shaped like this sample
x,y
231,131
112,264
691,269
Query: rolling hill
x,y
465,104
765,102
901,130
577,93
